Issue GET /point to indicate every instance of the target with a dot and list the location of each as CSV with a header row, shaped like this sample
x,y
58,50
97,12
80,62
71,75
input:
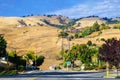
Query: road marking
x,y
32,79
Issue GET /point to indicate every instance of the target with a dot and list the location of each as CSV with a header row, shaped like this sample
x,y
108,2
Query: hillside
x,y
32,33
106,34
87,22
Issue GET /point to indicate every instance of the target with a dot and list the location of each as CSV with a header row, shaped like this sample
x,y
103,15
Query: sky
x,y
68,8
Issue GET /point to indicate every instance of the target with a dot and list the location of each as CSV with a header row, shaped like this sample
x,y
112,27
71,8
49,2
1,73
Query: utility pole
x,y
36,59
62,48
68,42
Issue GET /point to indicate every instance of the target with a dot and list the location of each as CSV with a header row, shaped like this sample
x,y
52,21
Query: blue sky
x,y
69,8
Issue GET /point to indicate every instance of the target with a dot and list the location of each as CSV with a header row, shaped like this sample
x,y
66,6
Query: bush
x,y
10,72
91,66
21,68
104,26
102,39
100,32
118,77
76,35
86,32
89,43
71,37
58,67
117,27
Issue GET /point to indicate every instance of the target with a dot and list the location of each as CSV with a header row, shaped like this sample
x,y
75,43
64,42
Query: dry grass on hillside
x,y
42,39
106,34
87,22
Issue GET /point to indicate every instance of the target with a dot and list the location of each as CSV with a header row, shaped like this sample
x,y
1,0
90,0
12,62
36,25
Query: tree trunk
x,y
107,69
99,65
117,71
72,65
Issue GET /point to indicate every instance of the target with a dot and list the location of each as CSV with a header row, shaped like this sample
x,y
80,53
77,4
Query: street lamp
x,y
68,39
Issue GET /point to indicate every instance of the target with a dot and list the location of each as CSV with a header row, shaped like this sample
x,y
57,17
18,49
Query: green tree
x,y
104,26
71,37
17,60
70,55
83,55
31,55
40,60
89,43
3,45
76,35
95,27
90,30
86,53
63,34
86,32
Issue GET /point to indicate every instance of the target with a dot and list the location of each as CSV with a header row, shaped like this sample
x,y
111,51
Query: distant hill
x,y
33,21
89,21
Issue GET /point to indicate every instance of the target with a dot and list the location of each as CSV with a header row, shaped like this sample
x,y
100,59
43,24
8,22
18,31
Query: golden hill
x,y
95,38
32,33
24,34
87,22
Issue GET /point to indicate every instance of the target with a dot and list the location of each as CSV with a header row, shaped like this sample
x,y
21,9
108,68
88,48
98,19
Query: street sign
x,y
68,63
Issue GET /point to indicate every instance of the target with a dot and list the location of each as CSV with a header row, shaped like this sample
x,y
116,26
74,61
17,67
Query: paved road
x,y
57,75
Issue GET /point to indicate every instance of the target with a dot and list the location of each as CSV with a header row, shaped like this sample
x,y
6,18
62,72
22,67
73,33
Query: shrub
x,y
102,39
21,68
89,43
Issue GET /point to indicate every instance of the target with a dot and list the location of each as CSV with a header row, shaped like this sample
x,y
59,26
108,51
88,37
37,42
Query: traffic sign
x,y
68,63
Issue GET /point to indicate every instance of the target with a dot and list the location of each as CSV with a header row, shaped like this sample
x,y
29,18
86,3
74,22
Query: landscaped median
x,y
8,72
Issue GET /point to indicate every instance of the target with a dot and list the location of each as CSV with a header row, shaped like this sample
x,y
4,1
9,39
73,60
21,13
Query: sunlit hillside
x,y
25,34
32,33
87,22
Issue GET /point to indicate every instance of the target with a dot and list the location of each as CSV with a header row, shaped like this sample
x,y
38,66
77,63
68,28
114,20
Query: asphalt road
x,y
57,75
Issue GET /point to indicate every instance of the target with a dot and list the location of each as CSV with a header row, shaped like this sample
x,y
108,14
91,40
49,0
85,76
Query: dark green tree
x,y
70,55
83,55
104,26
40,60
31,55
95,27
3,45
15,59
71,37
89,43
86,53
86,32
76,35
63,34
91,29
